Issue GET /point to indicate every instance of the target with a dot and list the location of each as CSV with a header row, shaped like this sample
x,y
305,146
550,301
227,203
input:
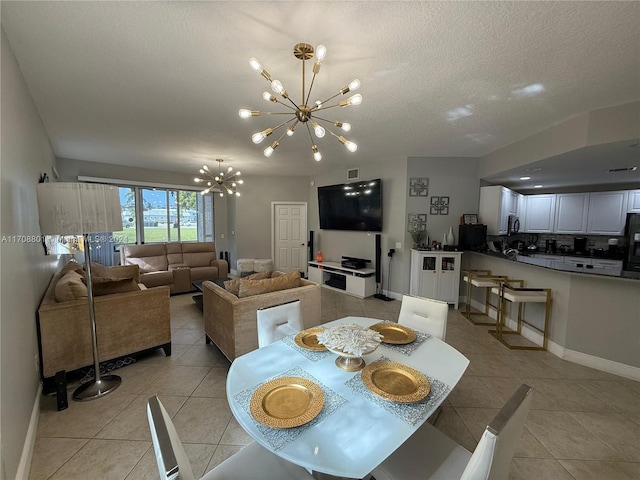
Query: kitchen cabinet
x,y
540,213
571,213
633,204
496,204
436,275
607,213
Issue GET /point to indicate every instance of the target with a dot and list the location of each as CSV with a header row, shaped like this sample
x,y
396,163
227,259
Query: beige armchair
x,y
231,322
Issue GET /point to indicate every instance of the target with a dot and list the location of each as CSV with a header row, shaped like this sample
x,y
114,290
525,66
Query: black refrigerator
x,y
472,237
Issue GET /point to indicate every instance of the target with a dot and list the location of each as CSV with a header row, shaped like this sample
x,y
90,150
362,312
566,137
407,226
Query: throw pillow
x,y
70,287
72,266
249,288
233,286
107,286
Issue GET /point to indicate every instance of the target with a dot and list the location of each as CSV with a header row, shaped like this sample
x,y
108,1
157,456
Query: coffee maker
x,y
550,246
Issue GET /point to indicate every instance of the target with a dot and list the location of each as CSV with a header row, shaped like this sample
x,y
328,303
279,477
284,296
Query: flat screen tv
x,y
351,206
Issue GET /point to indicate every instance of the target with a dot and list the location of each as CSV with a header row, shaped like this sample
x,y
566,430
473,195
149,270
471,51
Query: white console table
x,y
357,282
436,274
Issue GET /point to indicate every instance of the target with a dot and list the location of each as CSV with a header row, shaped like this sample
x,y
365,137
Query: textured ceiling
x,y
159,84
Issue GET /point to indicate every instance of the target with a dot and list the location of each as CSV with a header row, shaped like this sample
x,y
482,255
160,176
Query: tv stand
x,y
332,275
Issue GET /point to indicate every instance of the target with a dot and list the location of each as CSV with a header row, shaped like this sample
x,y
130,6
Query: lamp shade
x,y
78,208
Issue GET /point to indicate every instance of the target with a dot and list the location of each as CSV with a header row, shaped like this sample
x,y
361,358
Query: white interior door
x,y
290,236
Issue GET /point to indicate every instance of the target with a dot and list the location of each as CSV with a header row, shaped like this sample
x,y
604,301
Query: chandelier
x,y
303,113
228,184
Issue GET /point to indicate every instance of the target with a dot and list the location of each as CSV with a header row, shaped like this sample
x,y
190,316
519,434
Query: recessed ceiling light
x,y
623,169
534,169
525,178
537,186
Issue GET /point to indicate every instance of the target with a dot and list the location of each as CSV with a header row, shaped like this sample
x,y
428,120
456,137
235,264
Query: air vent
x,y
625,169
353,174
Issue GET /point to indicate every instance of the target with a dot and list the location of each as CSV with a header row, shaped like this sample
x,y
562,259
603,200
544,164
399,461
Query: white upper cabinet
x,y
571,213
540,213
496,204
607,213
634,201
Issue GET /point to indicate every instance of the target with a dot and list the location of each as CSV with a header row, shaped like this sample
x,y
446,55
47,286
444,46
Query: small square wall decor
x,y
417,221
418,187
439,206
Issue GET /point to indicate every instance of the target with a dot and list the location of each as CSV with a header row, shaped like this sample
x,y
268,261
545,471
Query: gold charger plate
x,y
396,382
286,402
308,339
394,333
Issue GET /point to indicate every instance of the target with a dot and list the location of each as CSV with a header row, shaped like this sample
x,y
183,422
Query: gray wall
x,y
334,244
26,271
250,225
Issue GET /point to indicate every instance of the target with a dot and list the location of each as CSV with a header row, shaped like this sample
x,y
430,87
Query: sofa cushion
x,y
150,258
233,286
108,286
249,288
72,266
156,279
70,287
174,252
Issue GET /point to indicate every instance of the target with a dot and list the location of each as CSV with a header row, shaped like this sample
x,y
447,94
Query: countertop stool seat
x,y
481,279
507,292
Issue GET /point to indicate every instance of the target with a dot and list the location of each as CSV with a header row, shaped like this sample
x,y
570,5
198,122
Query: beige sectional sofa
x,y
231,322
175,264
126,323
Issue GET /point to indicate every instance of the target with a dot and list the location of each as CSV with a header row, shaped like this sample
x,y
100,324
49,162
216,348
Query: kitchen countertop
x,y
559,267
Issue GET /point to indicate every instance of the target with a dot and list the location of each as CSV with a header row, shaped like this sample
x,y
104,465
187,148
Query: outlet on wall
x,y
398,245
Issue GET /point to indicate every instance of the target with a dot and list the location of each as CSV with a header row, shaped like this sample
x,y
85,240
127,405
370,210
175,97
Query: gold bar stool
x,y
481,279
507,292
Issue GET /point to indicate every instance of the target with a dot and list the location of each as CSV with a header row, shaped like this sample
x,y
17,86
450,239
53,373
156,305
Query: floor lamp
x,y
82,209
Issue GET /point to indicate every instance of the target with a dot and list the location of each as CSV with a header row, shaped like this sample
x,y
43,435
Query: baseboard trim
x,y
573,356
30,440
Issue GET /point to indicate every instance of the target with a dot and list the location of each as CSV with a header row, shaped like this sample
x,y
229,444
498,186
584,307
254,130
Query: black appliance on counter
x,y
580,246
550,246
472,237
632,232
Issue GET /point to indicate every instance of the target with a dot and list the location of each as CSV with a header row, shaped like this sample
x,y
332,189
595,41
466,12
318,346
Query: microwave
x,y
513,225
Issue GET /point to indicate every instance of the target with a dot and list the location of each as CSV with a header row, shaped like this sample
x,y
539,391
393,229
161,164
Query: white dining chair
x,y
424,314
429,454
278,321
251,463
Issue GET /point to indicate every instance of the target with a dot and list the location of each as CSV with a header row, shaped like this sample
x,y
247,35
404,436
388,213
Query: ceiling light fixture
x,y
303,113
525,178
228,184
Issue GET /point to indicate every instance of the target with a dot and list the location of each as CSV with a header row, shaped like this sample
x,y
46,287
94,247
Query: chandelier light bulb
x,y
354,85
343,125
321,52
229,170
255,64
355,99
260,136
318,130
269,150
352,147
316,154
277,87
221,194
198,180
204,167
244,113
240,181
202,171
237,194
291,130
268,97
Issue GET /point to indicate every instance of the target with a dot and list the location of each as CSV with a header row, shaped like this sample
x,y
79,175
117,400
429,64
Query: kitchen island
x,y
595,319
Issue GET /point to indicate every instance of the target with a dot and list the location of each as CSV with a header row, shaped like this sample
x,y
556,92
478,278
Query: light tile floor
x,y
584,424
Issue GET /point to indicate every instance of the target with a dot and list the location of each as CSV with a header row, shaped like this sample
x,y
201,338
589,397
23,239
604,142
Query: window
x,y
155,215
128,234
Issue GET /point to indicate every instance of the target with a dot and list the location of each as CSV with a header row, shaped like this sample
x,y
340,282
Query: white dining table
x,y
356,429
